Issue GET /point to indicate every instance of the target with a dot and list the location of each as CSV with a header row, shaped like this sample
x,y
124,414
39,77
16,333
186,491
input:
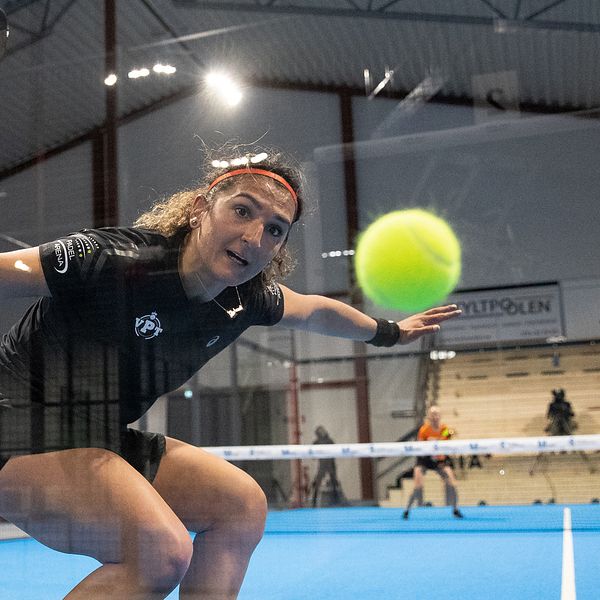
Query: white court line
x,y
567,591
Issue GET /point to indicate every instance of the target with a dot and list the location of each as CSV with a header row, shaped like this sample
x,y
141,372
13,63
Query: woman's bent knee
x,y
254,512
258,509
245,514
163,562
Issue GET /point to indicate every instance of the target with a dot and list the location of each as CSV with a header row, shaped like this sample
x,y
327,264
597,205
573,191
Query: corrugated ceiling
x,y
543,54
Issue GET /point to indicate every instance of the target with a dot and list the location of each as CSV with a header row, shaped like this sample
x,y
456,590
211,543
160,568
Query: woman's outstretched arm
x,y
334,318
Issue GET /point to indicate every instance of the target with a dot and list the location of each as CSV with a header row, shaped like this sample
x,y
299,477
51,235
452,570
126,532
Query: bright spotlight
x,y
225,87
217,80
234,97
111,79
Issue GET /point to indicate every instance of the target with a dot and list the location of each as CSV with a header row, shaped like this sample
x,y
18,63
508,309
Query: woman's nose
x,y
253,233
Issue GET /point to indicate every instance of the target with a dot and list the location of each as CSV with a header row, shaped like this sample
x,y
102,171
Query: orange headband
x,y
252,170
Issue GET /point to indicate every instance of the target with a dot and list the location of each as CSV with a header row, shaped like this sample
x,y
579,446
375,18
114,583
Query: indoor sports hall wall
x,y
524,207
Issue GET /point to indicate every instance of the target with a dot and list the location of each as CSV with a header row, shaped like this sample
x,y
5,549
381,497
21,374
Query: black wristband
x,y
387,334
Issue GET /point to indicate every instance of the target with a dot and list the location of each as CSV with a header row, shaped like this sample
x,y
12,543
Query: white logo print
x,y
275,291
147,326
61,257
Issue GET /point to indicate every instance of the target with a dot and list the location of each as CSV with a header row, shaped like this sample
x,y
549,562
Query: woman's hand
x,y
415,326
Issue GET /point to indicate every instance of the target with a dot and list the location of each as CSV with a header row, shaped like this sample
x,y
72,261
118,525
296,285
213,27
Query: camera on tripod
x,y
560,415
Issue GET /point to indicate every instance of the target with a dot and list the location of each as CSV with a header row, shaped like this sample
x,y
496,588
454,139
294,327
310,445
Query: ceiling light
x,y
259,157
220,164
217,79
233,97
442,354
135,73
111,79
337,253
225,87
164,69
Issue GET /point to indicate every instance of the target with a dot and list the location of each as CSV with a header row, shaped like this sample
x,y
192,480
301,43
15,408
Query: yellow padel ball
x,y
408,260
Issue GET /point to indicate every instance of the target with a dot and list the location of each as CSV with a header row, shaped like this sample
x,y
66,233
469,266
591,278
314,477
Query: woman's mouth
x,y
240,260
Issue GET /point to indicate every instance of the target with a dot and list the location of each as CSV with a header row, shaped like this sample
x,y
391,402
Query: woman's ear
x,y
199,208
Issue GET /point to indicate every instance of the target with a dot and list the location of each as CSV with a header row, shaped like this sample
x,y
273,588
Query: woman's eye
x,y
275,231
242,211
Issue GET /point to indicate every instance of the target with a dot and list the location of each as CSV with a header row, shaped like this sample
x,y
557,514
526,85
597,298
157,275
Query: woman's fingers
x,y
442,313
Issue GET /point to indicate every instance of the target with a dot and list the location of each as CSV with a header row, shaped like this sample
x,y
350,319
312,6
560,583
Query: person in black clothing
x,y
326,467
123,316
560,415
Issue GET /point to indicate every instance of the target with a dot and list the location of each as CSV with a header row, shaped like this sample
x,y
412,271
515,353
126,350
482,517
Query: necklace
x,y
232,313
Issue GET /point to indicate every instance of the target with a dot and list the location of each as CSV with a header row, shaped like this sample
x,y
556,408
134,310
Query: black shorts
x,y
143,450
429,462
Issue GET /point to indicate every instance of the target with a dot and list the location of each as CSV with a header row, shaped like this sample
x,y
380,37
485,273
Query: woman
x,y
152,303
434,429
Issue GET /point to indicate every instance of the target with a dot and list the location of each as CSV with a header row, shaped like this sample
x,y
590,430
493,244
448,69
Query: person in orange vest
x,y
434,429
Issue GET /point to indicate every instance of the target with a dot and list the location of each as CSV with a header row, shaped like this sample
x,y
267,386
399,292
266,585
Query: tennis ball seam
x,y
426,248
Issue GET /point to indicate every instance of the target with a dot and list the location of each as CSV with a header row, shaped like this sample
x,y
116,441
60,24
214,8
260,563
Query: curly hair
x,y
170,216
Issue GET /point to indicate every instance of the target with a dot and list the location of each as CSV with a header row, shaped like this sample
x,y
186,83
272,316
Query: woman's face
x,y
434,417
242,231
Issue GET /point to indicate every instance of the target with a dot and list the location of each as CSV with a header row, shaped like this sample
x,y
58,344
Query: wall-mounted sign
x,y
513,314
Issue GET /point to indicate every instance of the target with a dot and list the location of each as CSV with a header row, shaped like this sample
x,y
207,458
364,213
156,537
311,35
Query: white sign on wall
x,y
529,313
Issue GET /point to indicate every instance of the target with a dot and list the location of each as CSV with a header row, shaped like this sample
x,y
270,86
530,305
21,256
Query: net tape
x,y
513,445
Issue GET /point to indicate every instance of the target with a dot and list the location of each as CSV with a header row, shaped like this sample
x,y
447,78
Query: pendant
x,y
233,312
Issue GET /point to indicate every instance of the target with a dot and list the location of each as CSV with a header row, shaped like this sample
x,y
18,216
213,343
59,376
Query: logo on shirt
x,y
148,326
275,291
62,258
76,246
213,341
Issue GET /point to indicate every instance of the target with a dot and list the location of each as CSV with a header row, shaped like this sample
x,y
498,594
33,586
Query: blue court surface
x,y
511,553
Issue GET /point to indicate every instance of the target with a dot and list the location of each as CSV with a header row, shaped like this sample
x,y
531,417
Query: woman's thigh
x,y
86,501
203,489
